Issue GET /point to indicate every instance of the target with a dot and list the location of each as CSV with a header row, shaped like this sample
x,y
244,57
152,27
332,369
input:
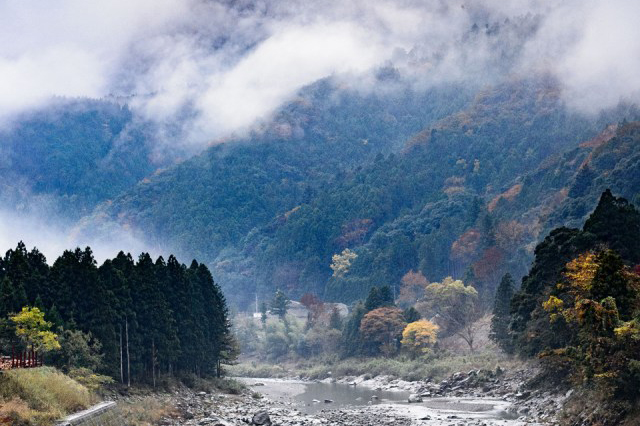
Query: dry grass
x,y
39,396
433,367
146,411
15,412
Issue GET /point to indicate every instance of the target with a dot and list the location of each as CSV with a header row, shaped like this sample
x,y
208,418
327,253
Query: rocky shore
x,y
474,398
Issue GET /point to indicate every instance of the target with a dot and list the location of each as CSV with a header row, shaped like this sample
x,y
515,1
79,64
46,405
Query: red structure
x,y
26,359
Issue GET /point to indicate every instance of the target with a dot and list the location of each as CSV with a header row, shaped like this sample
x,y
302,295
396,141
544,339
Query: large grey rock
x,y
261,418
413,398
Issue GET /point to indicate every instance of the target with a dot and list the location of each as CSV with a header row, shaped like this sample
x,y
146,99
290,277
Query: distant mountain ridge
x,y
448,181
326,176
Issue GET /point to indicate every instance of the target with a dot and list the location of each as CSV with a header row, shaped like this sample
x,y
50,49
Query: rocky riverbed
x,y
475,398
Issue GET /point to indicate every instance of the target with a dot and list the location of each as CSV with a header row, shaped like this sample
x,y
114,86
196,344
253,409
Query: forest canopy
x,y
132,320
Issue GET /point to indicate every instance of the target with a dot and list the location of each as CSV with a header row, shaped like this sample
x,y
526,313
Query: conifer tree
x,y
411,315
379,298
502,314
12,298
351,338
280,304
335,320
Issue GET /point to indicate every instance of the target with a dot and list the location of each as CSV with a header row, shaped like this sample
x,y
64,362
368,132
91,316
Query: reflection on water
x,y
310,397
342,395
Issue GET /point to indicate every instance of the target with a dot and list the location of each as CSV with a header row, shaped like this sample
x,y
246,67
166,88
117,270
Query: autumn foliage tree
x,y
341,262
419,337
597,300
412,288
382,328
34,331
456,307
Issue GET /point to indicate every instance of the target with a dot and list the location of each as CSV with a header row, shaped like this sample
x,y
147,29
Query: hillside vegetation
x,y
447,190
39,396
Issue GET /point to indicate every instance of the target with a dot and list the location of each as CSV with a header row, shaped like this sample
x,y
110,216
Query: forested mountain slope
x,y
213,200
449,180
432,207
425,182
78,152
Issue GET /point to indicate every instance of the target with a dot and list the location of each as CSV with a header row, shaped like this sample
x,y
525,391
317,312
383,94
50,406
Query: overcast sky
x,y
230,63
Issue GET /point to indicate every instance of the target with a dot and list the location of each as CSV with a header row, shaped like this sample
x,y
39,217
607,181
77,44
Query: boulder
x,y
413,398
261,418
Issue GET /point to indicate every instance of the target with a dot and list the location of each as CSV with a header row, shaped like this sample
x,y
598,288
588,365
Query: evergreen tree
x,y
12,298
351,339
373,299
148,318
156,322
379,298
502,314
263,314
411,315
616,223
335,320
280,304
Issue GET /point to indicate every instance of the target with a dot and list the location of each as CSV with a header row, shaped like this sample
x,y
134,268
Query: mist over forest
x,y
346,157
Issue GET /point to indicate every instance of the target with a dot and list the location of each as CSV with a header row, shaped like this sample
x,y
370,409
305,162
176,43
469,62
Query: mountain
x,y
447,182
78,152
213,200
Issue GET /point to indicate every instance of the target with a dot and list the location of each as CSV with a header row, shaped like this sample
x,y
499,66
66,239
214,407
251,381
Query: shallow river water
x,y
309,397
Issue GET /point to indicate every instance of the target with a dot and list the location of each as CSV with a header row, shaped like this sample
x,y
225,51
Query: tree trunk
x,y
126,325
121,366
153,361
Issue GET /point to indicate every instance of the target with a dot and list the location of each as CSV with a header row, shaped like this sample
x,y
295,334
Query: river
x,y
314,397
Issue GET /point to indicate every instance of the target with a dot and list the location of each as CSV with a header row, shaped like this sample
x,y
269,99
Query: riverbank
x,y
477,397
435,367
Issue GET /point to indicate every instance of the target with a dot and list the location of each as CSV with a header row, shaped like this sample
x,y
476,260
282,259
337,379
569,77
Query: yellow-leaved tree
x,y
340,263
597,302
456,308
418,337
34,330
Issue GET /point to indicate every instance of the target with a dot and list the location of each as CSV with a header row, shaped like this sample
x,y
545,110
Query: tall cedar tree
x,y
379,297
150,317
502,314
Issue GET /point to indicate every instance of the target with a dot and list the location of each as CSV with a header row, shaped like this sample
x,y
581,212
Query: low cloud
x,y
52,236
214,67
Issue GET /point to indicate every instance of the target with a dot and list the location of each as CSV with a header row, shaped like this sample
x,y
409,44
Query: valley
x,y
378,212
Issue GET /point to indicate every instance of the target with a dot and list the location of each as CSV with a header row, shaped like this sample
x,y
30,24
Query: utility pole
x,y
121,365
126,326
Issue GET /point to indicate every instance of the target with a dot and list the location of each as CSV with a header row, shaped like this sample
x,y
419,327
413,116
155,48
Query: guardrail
x,y
101,414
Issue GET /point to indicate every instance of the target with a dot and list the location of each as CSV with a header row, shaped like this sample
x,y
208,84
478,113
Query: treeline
x,y
131,320
578,309
410,325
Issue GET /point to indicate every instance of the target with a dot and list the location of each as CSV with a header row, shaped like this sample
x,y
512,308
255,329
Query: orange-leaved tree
x,y
382,329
